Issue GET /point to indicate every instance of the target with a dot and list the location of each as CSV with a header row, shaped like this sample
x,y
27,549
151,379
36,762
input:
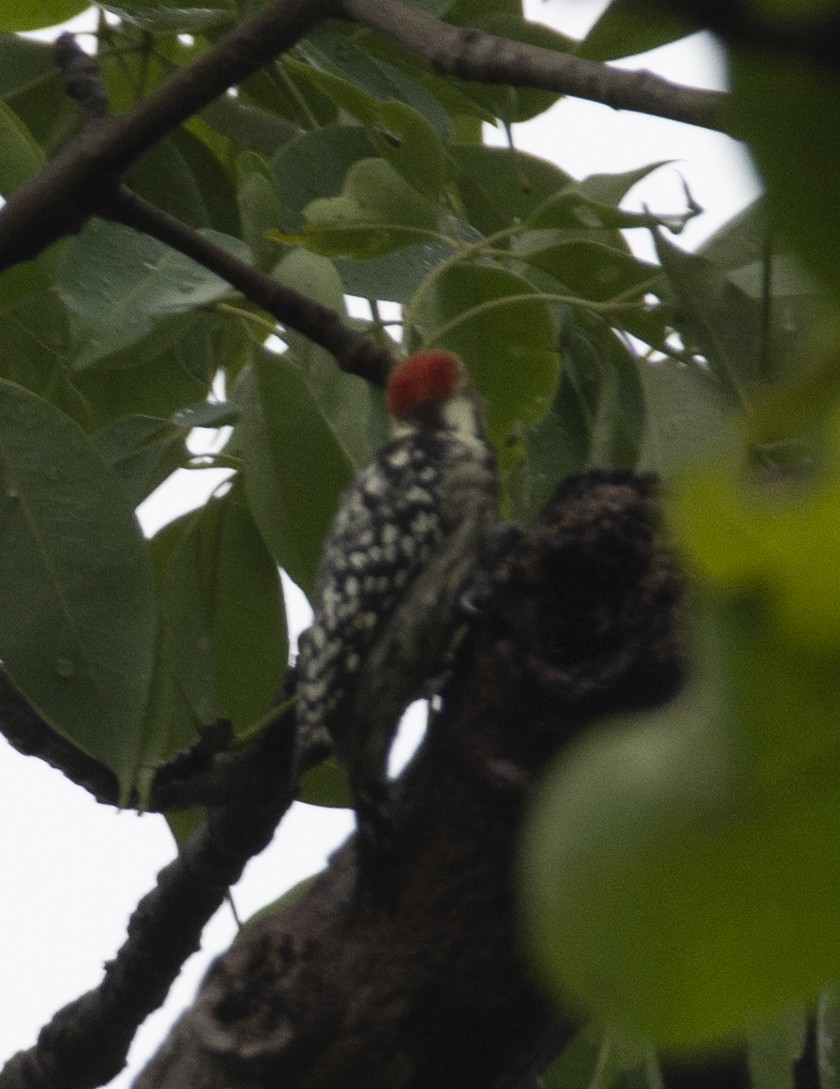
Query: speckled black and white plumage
x,y
404,543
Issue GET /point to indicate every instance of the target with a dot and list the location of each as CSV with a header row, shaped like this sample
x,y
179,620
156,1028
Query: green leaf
x,y
686,414
174,16
343,399
181,175
399,133
332,46
376,213
34,14
394,277
248,125
593,270
788,109
159,384
555,446
741,240
604,374
121,286
500,188
775,1048
77,607
326,785
315,165
35,335
725,322
629,27
24,63
259,207
143,450
20,155
613,188
295,468
507,339
828,1037
225,642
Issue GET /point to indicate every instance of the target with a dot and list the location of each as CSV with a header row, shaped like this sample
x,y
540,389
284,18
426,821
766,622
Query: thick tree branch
x,y
59,199
472,54
578,620
86,1043
27,732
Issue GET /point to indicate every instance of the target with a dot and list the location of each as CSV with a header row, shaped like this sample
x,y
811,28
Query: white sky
x,y
73,869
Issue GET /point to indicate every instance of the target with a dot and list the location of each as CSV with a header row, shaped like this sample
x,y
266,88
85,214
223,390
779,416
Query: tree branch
x,y
355,353
86,1043
59,199
578,620
472,54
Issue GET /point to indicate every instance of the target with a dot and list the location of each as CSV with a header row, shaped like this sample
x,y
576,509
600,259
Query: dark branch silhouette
x,y
86,1042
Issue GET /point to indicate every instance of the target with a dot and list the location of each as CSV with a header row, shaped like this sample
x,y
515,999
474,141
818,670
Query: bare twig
x,y
472,54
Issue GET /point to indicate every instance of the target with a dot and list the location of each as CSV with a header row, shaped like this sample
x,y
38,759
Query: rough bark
x,y
578,619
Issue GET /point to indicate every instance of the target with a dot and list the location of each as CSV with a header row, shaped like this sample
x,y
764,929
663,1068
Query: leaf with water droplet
x,y
77,598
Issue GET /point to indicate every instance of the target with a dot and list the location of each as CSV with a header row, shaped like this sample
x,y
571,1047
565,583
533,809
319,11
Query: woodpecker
x,y
406,539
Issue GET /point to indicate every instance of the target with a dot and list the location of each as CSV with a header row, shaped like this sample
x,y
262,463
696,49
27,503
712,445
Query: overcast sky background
x,y
74,870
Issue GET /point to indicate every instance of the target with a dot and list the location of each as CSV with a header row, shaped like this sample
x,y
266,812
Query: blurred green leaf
x,y
775,1048
34,14
174,16
788,110
687,924
295,468
687,411
20,156
78,612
